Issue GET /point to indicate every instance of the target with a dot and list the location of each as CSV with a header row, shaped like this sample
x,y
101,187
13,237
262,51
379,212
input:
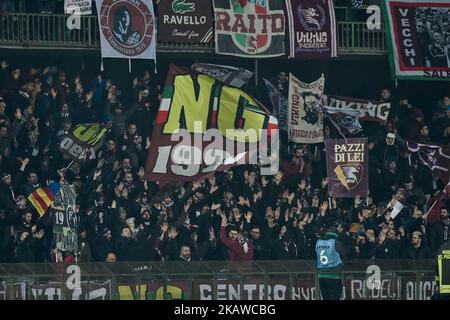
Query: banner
x,y
237,77
185,21
437,158
65,219
305,117
84,6
418,35
250,28
373,111
127,28
346,121
204,125
82,141
347,167
279,103
312,29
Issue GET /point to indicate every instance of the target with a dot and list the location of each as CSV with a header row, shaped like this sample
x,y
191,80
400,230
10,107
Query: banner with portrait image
x,y
347,167
185,21
250,28
312,29
305,114
418,36
204,125
127,29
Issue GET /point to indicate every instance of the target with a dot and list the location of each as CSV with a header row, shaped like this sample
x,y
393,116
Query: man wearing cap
x,y
329,254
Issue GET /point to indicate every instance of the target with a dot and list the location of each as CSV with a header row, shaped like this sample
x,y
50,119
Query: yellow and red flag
x,y
42,198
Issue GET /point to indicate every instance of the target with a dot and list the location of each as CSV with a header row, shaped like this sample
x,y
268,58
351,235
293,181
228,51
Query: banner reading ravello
x,y
204,125
419,38
347,167
188,21
250,28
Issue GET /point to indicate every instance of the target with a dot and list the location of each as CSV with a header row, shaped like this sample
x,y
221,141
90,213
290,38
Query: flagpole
x,y
440,198
256,72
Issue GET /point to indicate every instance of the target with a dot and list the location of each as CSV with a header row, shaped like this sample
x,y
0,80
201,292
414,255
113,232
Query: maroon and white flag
x,y
127,29
437,158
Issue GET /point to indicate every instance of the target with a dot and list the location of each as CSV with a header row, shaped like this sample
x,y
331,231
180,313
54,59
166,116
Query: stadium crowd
x,y
236,215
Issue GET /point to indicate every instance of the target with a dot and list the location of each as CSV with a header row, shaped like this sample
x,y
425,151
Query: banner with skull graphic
x,y
250,28
312,29
305,114
127,29
347,167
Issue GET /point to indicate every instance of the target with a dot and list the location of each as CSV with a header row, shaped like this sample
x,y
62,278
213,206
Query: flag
x,y
312,29
204,125
127,29
418,35
237,77
84,7
250,28
347,167
305,120
42,198
374,111
185,21
435,157
279,103
346,121
82,141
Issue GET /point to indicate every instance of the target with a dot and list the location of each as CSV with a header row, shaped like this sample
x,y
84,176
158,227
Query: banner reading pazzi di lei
x,y
347,167
250,28
418,34
204,125
127,28
188,21
312,29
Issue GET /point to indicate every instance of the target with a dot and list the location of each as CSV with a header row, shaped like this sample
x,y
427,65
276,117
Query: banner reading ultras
x,y
312,29
186,21
127,28
305,115
347,167
204,125
250,28
419,38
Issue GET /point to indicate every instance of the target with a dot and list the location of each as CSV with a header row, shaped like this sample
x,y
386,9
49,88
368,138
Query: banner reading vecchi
x,y
188,21
419,38
204,125
250,28
312,29
347,167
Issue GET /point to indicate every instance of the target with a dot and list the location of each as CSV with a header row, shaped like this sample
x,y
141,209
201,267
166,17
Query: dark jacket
x,y
423,252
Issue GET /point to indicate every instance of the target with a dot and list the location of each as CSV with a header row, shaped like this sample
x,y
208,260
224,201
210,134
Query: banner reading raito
x,y
347,167
250,28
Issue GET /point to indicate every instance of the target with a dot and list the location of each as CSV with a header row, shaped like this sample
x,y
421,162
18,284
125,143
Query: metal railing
x,y
24,30
217,280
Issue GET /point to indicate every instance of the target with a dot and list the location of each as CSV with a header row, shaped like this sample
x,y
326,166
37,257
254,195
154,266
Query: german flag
x,y
42,198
